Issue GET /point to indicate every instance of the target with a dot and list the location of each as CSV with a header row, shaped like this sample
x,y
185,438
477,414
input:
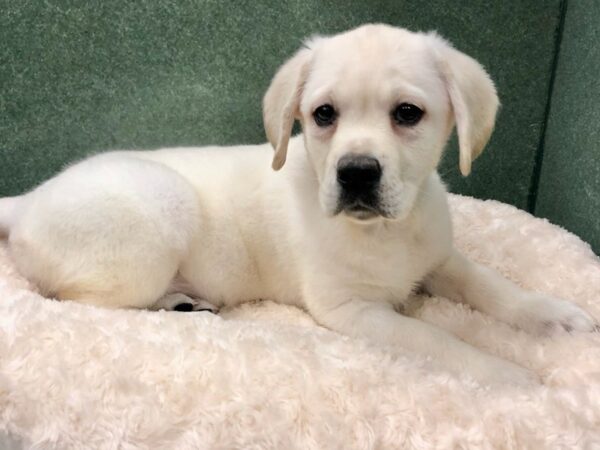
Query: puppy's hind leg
x,y
110,232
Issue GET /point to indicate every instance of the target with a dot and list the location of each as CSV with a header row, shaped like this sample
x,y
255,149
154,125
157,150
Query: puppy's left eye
x,y
407,114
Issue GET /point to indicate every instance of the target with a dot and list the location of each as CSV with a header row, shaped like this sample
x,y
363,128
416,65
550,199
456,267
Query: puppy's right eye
x,y
324,115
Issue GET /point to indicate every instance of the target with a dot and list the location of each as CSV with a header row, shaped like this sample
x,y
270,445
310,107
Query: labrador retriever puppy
x,y
350,222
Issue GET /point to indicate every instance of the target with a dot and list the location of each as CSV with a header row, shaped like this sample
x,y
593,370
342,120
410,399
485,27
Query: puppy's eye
x,y
324,115
407,114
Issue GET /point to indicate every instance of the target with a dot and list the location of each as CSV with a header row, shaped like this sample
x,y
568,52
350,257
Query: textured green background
x,y
569,189
82,77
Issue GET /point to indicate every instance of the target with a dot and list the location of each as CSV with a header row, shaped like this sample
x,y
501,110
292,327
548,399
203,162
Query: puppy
x,y
351,220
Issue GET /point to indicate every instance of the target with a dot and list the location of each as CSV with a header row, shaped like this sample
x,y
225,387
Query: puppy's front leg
x,y
379,322
462,280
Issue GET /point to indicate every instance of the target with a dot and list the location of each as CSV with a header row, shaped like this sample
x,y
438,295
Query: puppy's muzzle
x,y
359,177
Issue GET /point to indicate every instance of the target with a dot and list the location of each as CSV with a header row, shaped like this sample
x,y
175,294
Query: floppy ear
x,y
281,104
473,98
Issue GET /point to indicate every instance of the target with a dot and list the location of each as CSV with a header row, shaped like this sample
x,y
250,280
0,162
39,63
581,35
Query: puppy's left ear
x,y
281,104
473,98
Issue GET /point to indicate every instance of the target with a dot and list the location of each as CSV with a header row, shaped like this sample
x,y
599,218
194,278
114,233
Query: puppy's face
x,y
377,105
375,115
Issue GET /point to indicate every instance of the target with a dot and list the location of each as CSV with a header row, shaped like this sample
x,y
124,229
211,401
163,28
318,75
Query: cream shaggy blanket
x,y
265,376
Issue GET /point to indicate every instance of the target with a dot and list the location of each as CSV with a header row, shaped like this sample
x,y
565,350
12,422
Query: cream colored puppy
x,y
353,218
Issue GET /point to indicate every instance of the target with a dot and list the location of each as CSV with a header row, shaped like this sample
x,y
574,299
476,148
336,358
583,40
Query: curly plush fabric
x,y
265,376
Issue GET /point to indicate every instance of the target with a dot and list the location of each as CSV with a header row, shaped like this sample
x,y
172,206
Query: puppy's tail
x,y
8,206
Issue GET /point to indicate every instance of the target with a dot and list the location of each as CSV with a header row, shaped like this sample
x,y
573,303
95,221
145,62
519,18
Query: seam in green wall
x,y
539,155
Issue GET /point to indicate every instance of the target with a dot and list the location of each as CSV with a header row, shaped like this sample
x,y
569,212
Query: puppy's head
x,y
377,105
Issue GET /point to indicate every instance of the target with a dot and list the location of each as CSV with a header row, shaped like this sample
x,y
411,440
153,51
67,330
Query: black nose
x,y
357,172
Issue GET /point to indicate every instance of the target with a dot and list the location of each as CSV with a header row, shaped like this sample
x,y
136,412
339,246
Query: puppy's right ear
x,y
281,104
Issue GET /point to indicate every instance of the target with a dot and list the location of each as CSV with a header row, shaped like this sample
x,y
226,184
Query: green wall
x,y
569,186
83,77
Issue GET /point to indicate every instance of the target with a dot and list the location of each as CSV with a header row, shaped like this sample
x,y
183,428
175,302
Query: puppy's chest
x,y
390,271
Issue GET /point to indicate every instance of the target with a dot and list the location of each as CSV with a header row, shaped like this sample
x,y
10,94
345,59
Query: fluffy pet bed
x,y
265,376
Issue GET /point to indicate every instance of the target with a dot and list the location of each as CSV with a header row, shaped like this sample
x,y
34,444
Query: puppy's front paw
x,y
546,315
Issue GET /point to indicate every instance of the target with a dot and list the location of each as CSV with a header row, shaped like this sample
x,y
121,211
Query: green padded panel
x,y
569,189
82,77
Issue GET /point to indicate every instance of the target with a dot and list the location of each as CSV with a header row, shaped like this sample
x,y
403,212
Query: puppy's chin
x,y
364,217
367,215
361,214
370,217
356,214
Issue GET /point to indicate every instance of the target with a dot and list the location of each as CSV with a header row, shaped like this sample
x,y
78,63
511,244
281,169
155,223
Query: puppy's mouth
x,y
360,210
